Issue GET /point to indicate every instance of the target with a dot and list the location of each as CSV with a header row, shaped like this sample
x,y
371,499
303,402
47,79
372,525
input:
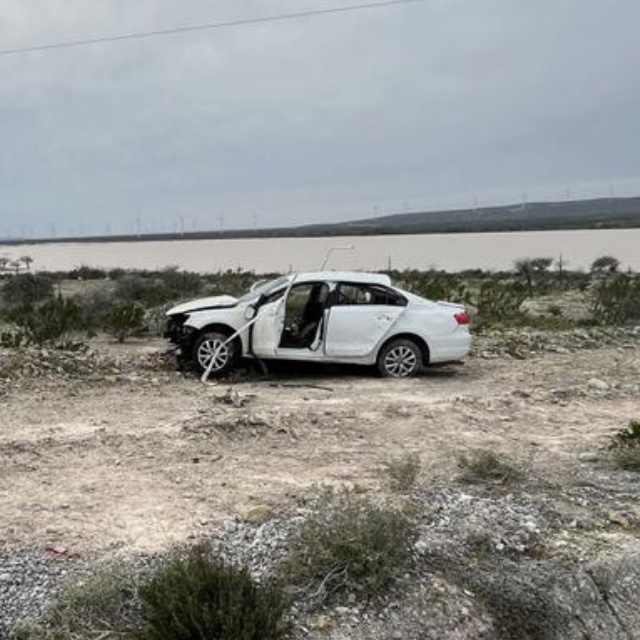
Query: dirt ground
x,y
146,458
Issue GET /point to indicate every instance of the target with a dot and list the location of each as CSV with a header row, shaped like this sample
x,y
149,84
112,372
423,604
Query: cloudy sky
x,y
427,105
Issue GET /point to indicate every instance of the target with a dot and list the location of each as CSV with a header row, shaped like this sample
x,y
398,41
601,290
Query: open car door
x,y
267,329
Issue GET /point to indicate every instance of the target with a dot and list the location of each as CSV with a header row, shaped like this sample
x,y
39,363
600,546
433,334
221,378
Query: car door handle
x,y
386,317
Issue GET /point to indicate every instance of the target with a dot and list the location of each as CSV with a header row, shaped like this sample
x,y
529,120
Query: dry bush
x,y
348,545
486,466
401,473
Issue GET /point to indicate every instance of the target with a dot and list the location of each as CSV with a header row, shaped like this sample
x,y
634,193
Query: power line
x,y
204,27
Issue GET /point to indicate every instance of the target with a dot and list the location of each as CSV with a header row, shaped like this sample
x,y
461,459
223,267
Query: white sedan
x,y
327,316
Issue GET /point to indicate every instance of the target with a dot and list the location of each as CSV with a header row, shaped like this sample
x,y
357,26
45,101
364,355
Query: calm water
x,y
452,252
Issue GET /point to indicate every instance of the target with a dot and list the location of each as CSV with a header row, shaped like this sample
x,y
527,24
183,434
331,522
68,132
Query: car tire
x,y
401,358
204,349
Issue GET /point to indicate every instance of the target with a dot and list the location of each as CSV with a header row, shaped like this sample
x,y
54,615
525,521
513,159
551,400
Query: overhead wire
x,y
139,35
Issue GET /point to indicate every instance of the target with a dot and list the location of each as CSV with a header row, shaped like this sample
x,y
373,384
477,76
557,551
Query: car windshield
x,y
264,288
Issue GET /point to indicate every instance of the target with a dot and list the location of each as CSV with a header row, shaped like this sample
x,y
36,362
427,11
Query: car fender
x,y
231,320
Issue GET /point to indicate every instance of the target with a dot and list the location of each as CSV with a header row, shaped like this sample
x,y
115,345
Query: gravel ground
x,y
104,450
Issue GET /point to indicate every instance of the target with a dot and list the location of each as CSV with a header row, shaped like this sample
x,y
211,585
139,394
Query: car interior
x,y
304,315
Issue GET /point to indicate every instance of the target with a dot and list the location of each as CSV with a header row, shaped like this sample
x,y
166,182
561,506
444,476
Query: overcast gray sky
x,y
326,118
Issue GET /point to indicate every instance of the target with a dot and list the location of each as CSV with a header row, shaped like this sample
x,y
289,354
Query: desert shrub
x,y
124,319
181,283
157,287
27,630
500,300
518,593
627,458
142,289
625,447
116,274
629,437
53,321
401,473
348,545
541,322
12,339
486,466
95,308
101,604
616,300
27,288
195,596
434,285
234,282
521,600
86,273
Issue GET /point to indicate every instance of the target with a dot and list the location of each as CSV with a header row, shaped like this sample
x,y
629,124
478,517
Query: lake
x,y
452,252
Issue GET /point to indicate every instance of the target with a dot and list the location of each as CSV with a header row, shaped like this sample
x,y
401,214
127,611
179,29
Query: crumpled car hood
x,y
202,304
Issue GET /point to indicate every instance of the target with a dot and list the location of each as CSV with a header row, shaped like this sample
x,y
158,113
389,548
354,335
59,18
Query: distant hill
x,y
602,213
605,213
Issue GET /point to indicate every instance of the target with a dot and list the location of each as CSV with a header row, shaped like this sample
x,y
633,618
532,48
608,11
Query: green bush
x,y
629,437
625,446
197,597
125,319
500,300
142,289
152,288
348,545
616,299
95,308
53,321
433,285
181,283
27,288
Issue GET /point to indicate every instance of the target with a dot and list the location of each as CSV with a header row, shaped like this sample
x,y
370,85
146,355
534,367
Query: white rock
x,y
598,385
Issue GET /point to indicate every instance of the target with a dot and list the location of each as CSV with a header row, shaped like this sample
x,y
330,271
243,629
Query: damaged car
x,y
328,316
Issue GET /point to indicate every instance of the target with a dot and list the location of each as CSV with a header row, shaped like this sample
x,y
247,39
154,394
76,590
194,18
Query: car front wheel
x,y
400,358
210,350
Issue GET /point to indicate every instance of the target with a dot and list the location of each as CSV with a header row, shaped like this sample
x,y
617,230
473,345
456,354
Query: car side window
x,y
350,294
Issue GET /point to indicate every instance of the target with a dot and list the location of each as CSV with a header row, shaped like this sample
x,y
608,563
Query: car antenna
x,y
348,247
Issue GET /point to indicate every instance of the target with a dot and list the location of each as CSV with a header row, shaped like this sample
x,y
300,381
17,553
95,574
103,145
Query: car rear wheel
x,y
210,346
400,358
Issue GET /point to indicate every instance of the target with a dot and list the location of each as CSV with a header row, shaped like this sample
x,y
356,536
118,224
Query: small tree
x,y
533,270
605,264
16,265
27,261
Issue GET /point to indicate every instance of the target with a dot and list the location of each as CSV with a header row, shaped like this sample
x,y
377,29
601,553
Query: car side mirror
x,y
249,312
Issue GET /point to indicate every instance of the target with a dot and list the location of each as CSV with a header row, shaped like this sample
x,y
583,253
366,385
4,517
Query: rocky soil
x,y
111,454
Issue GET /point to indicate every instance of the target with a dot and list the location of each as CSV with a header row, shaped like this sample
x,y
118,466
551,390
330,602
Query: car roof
x,y
363,277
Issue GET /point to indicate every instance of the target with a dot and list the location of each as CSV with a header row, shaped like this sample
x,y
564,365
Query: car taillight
x,y
462,317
